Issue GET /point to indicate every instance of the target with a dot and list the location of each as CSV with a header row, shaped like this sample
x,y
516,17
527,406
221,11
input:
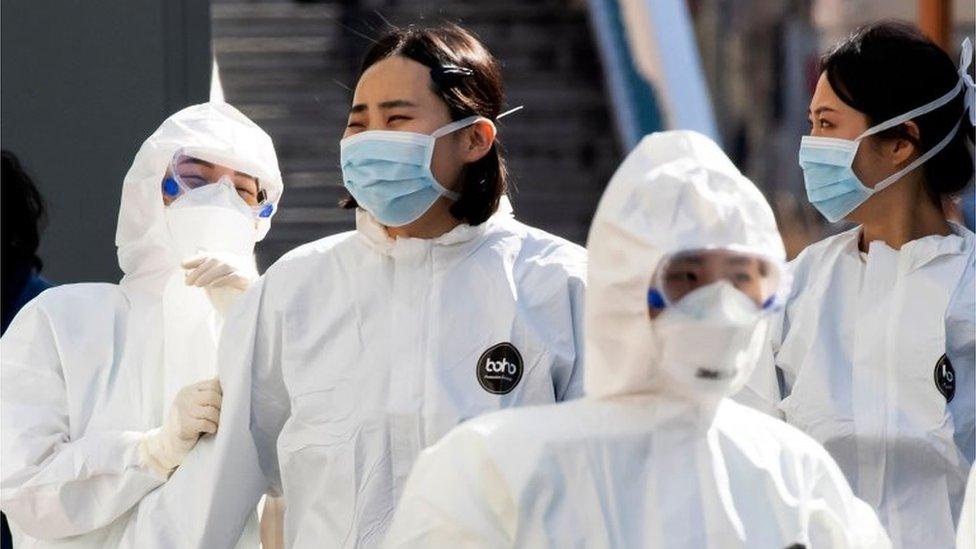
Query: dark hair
x,y
468,78
889,68
23,213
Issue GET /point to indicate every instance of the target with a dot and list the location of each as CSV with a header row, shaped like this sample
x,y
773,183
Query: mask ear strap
x,y
918,161
965,83
465,122
915,113
457,125
509,111
965,59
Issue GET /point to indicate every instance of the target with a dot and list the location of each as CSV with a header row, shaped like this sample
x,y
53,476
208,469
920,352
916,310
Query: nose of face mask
x,y
712,342
718,302
213,218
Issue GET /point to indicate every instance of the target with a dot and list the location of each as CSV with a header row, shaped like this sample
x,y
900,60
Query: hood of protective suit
x,y
675,191
216,132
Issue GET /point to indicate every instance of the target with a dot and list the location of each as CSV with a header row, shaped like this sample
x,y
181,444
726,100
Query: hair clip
x,y
448,76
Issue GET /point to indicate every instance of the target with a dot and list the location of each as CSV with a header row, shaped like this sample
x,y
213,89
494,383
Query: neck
x,y
900,214
435,222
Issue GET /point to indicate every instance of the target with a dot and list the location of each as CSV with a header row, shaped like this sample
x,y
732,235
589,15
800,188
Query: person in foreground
x,y
106,387
685,269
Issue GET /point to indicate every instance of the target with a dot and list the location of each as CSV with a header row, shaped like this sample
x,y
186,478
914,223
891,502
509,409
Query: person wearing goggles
x,y
361,349
187,173
685,273
107,387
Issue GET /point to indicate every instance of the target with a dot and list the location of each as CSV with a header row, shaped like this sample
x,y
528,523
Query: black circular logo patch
x,y
945,378
500,369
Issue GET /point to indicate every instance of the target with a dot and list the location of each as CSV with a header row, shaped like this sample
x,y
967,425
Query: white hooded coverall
x,y
632,464
88,369
353,354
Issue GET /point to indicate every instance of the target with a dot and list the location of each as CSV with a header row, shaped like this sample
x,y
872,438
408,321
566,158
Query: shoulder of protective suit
x,y
542,249
812,253
80,294
811,258
749,426
310,251
70,302
526,426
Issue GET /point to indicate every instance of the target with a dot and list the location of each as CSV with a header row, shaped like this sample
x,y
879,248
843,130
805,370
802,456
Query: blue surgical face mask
x,y
388,172
833,187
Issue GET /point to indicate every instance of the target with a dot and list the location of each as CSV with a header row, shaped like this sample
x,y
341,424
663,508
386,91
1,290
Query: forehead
x,y
711,258
824,96
395,78
191,163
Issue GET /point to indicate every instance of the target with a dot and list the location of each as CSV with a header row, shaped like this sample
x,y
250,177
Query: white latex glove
x,y
223,276
216,270
195,411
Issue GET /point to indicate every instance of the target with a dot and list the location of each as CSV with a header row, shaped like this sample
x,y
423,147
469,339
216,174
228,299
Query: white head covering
x,y
216,132
676,191
170,324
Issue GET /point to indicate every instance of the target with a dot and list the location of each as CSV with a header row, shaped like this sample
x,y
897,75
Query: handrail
x,y
653,72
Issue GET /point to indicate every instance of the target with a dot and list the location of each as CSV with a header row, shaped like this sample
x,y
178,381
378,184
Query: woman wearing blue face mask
x,y
366,347
876,350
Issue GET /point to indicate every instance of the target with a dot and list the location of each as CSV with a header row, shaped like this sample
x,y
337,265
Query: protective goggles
x,y
681,273
187,173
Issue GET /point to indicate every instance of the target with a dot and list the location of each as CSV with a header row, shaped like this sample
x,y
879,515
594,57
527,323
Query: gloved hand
x,y
223,276
215,270
195,411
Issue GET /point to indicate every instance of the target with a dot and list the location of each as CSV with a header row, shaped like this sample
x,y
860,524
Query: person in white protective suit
x,y
685,269
354,353
106,387
876,349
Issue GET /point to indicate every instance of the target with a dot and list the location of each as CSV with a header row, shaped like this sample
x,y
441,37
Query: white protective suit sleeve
x,y
213,493
482,514
55,485
572,388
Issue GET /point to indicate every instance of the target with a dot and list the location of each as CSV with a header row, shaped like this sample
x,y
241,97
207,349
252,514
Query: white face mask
x,y
213,218
711,344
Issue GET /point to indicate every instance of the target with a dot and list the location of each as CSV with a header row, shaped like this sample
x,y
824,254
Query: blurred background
x,y
84,83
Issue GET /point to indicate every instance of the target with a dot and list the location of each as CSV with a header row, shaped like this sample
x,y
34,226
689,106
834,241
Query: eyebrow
x,y
204,163
393,104
690,259
738,260
819,110
191,160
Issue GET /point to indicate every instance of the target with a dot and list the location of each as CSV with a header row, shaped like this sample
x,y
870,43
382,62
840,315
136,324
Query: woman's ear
x,y
903,150
478,141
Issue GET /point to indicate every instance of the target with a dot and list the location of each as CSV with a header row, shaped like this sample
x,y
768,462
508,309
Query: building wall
x,y
84,83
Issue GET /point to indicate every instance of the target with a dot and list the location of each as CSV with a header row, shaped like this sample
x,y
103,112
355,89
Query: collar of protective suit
x,y
378,239
920,252
675,191
216,132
